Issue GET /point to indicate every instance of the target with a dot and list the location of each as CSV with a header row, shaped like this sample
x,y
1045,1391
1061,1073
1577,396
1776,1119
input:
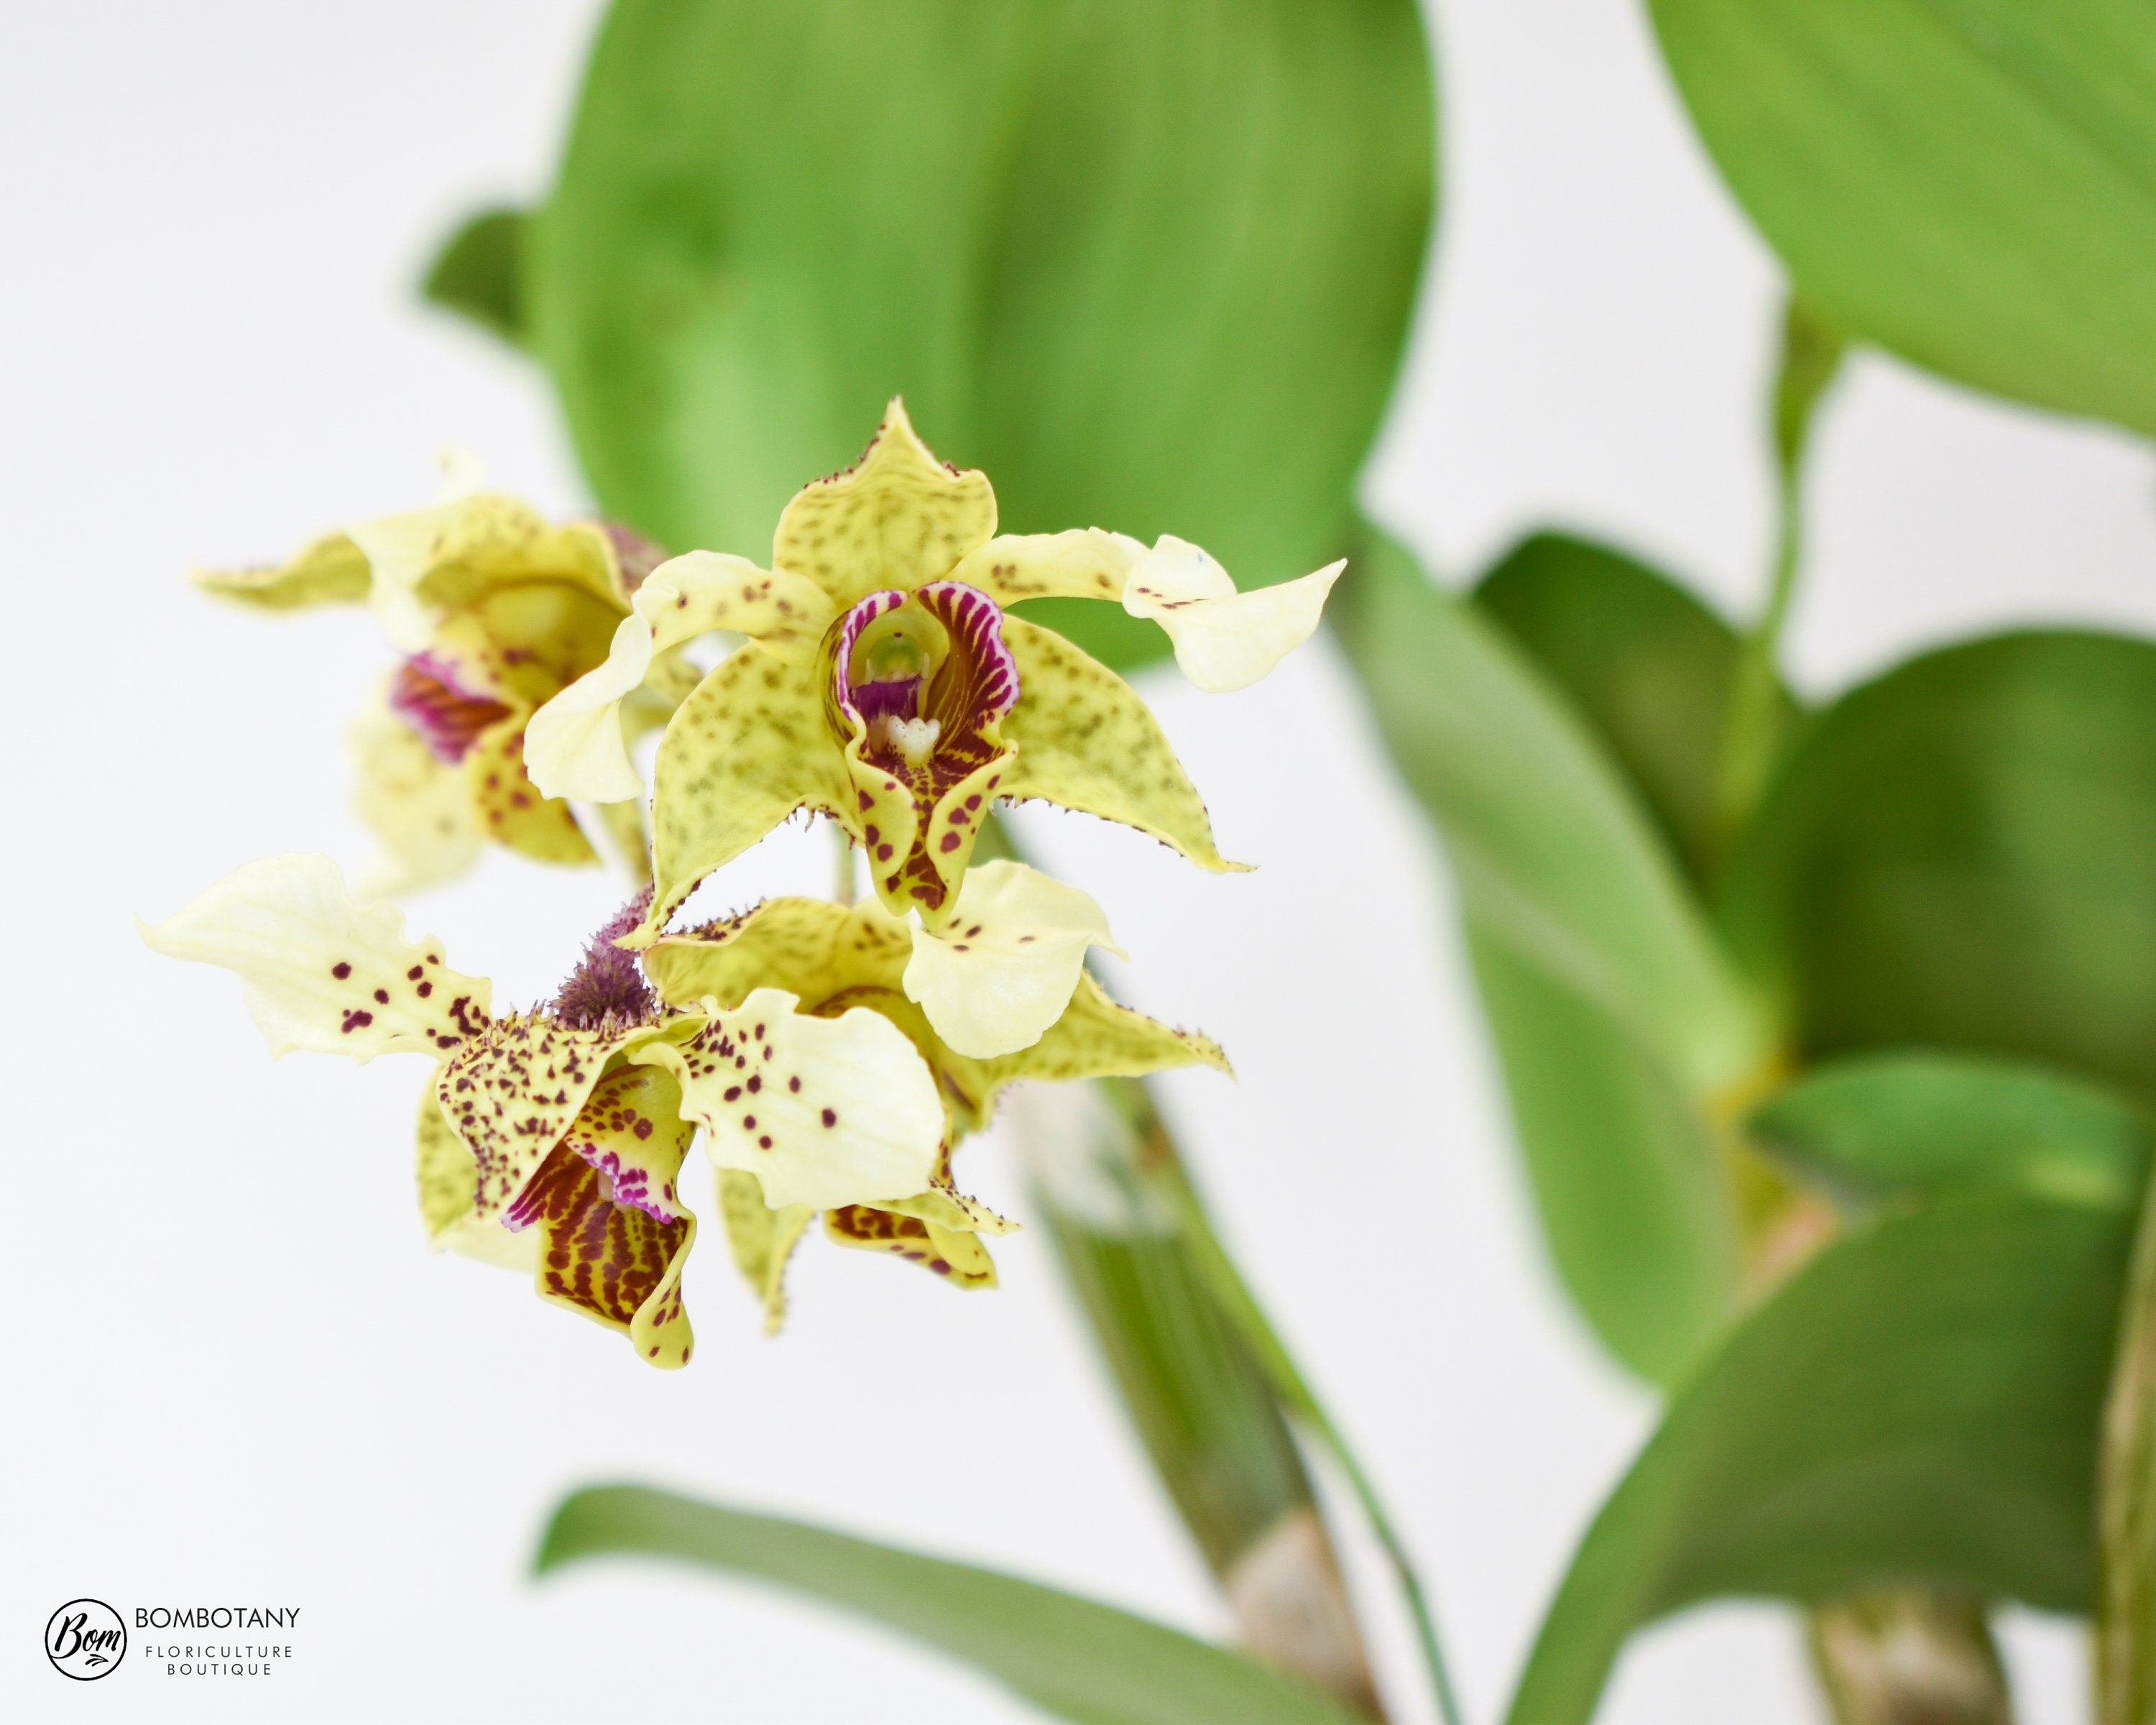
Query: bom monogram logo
x,y
86,1639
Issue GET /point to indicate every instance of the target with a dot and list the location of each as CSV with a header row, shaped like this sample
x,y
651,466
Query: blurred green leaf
x,y
1916,1407
1149,262
479,273
1971,183
1553,852
1645,663
1624,1169
1069,1656
1877,1126
1962,853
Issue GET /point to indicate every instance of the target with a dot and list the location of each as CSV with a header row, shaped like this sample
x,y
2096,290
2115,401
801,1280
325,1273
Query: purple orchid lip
x,y
864,613
976,684
975,623
447,717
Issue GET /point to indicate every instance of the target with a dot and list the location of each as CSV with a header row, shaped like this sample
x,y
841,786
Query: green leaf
x,y
1644,662
1624,1169
1553,854
479,273
1916,1407
1069,1656
1962,853
1971,183
1878,1126
1149,262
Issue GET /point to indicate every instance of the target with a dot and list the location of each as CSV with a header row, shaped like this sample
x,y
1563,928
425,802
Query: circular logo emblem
x,y
86,1639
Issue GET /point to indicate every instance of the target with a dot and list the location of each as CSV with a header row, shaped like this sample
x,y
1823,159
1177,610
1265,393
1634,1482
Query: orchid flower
x,y
884,683
552,1140
494,611
837,959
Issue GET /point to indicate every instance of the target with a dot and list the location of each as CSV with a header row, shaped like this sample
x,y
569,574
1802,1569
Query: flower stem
x,y
1240,1306
843,876
1812,349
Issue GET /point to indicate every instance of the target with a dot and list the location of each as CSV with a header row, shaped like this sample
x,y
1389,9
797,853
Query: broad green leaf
x,y
1644,662
1877,1126
1971,183
1071,1657
1553,854
1916,1407
1624,1169
479,273
1962,853
1149,262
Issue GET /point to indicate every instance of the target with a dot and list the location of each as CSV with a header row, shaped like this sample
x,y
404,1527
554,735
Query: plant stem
x,y
1812,351
1233,1296
1201,1405
843,876
2126,1503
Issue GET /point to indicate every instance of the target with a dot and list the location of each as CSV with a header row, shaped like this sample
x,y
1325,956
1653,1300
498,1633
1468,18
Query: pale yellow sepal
x,y
319,971
413,803
746,750
897,518
1085,740
822,1111
1081,563
330,570
448,1176
575,747
426,561
1223,639
1003,969
762,1239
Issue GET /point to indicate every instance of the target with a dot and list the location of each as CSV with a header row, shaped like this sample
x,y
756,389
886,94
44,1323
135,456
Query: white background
x,y
232,1373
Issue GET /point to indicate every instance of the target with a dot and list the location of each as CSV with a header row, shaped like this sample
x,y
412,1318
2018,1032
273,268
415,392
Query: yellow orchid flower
x,y
495,611
884,683
837,959
552,1140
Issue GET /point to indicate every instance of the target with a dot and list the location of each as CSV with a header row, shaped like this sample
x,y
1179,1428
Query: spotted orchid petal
x,y
514,1092
808,946
898,518
319,971
1005,967
412,803
954,1253
1223,639
507,808
857,955
1086,741
938,1229
328,571
575,745
1094,1038
763,1241
448,1176
614,1233
745,751
427,562
824,1111
1082,563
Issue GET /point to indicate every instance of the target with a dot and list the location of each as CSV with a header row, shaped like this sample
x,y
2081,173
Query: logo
x,y
86,1639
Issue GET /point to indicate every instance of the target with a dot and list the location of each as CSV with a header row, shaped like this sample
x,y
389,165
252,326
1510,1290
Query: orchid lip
x,y
446,717
970,680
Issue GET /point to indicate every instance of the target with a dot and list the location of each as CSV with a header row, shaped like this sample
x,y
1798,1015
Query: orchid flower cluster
x,y
831,1054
